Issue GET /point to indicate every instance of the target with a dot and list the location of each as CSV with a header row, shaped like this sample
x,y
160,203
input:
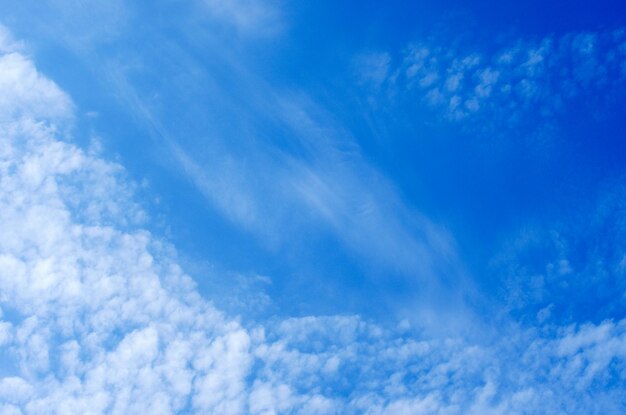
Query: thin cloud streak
x,y
277,192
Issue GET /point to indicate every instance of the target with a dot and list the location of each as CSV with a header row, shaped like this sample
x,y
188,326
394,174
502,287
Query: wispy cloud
x,y
79,23
372,67
248,17
570,267
290,169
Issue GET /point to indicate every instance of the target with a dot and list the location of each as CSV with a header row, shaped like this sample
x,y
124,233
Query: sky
x,y
271,207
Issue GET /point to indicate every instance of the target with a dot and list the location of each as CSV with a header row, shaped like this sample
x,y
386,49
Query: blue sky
x,y
264,207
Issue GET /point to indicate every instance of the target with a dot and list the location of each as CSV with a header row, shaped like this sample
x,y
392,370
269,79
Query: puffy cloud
x,y
26,93
505,86
7,43
101,322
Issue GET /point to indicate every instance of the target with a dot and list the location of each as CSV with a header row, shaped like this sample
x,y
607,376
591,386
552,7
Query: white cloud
x,y
551,270
318,182
7,43
501,88
99,318
26,93
92,300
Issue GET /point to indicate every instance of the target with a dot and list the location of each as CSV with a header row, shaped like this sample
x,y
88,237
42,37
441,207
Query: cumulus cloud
x,y
25,92
101,324
97,316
